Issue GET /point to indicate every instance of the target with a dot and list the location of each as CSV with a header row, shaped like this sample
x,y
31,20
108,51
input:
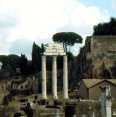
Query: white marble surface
x,y
55,49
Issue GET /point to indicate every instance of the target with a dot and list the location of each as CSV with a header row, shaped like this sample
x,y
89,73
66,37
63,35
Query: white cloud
x,y
114,4
21,46
38,20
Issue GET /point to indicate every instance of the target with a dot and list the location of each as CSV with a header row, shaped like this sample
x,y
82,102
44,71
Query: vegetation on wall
x,y
108,28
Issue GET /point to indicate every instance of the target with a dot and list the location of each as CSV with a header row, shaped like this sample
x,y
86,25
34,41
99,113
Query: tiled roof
x,y
91,82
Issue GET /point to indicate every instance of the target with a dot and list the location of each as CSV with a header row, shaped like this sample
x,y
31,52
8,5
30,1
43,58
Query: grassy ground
x,y
40,111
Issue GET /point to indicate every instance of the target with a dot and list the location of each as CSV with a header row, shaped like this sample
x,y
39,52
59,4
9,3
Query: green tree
x,y
10,62
23,64
107,28
67,38
3,58
42,48
13,61
36,56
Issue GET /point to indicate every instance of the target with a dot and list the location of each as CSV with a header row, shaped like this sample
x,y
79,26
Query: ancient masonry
x,y
54,50
98,52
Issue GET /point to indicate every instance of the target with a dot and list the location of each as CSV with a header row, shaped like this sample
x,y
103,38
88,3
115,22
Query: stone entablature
x,y
55,49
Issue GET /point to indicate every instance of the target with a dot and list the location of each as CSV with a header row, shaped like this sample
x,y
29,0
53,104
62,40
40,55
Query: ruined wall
x,y
19,84
101,51
4,85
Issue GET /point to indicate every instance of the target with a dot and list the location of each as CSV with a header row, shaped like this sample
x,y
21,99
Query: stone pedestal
x,y
65,78
44,93
54,78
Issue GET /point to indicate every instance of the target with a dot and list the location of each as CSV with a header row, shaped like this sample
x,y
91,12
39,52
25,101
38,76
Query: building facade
x,y
90,88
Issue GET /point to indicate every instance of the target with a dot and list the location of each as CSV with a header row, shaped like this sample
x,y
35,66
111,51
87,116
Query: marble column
x,y
44,93
54,77
65,77
108,102
108,108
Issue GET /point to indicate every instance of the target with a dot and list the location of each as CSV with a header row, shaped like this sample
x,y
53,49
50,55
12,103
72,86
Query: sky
x,y
23,22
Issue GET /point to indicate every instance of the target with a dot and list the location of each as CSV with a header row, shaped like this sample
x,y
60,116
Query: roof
x,y
92,82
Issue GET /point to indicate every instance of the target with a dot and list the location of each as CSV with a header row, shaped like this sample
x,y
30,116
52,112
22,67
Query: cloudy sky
x,y
24,21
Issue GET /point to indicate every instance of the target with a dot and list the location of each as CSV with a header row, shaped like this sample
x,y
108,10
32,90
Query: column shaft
x,y
65,77
108,109
44,93
54,77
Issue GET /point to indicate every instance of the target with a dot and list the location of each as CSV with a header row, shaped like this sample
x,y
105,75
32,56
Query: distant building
x,y
90,88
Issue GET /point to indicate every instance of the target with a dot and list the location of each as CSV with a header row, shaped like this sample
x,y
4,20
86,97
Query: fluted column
x,y
65,77
44,93
54,77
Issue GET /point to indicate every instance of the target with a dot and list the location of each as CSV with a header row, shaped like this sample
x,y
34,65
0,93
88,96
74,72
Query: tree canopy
x,y
108,28
67,38
36,56
10,62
